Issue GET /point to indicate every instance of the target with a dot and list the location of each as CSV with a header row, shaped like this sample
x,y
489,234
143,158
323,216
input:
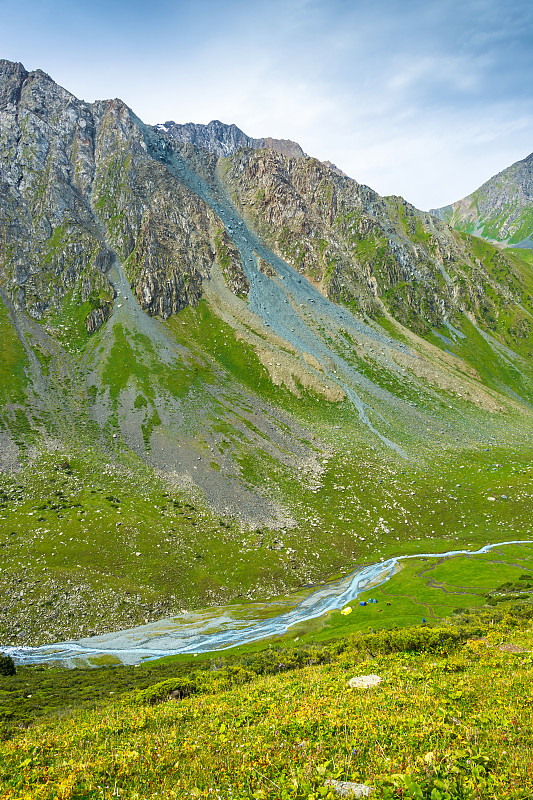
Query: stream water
x,y
219,629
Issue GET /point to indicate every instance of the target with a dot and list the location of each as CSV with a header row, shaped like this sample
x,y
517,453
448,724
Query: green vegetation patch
x,y
449,719
13,362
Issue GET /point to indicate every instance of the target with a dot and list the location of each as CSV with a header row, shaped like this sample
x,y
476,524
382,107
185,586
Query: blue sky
x,y
423,99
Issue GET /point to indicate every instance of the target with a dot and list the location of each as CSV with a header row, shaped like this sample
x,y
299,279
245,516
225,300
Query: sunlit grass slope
x,y
451,720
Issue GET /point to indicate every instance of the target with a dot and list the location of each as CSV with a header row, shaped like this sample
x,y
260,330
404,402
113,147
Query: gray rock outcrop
x,y
224,140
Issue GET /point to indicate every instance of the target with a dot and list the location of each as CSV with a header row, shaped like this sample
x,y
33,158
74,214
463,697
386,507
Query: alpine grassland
x,y
89,550
450,719
230,385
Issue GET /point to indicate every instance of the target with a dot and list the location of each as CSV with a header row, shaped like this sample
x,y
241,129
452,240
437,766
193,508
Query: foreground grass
x,y
451,719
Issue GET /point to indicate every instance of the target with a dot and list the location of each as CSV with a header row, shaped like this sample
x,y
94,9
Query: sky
x,y
421,99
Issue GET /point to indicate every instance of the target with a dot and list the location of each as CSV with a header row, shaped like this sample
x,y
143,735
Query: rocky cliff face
x,y
377,254
78,191
87,185
224,140
51,246
501,210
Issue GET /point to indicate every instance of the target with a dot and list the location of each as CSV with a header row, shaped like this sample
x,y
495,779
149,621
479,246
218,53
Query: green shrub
x,y
408,640
7,665
159,692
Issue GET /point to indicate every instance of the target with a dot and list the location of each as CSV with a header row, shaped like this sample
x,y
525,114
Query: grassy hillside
x,y
115,505
85,550
451,719
186,420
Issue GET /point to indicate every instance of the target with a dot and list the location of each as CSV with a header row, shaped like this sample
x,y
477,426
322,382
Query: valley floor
x,y
86,552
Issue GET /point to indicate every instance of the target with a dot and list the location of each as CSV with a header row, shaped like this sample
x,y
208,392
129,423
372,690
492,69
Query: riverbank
x,y
221,629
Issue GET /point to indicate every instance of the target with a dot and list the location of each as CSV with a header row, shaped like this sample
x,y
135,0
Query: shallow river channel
x,y
219,628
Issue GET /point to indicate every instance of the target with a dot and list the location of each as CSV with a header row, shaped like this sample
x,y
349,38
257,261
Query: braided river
x,y
221,628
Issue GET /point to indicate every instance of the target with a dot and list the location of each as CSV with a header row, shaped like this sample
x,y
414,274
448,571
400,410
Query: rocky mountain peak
x,y
500,210
12,77
224,140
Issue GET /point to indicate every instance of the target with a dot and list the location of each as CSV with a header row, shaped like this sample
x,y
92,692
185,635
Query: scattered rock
x,y
364,681
98,316
509,647
349,788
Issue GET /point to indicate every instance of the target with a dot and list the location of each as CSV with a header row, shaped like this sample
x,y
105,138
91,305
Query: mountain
x,y
224,140
501,210
224,365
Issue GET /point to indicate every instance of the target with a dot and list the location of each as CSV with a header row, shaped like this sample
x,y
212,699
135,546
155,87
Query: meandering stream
x,y
219,629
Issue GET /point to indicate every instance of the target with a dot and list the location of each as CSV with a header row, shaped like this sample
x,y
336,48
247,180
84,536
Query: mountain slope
x,y
501,210
227,363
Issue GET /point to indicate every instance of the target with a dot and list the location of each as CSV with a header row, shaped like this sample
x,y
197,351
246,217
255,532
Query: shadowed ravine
x,y
219,629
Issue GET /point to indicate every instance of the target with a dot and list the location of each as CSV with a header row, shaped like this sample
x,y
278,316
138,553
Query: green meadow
x,y
450,719
85,551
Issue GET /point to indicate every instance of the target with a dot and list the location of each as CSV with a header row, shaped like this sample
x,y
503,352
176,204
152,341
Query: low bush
x,y
7,665
159,692
409,640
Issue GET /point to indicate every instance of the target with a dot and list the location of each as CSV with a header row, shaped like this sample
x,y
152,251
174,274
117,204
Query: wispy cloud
x,y
425,99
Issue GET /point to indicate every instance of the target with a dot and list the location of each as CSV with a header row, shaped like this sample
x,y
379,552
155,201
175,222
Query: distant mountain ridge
x,y
224,140
501,210
88,185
